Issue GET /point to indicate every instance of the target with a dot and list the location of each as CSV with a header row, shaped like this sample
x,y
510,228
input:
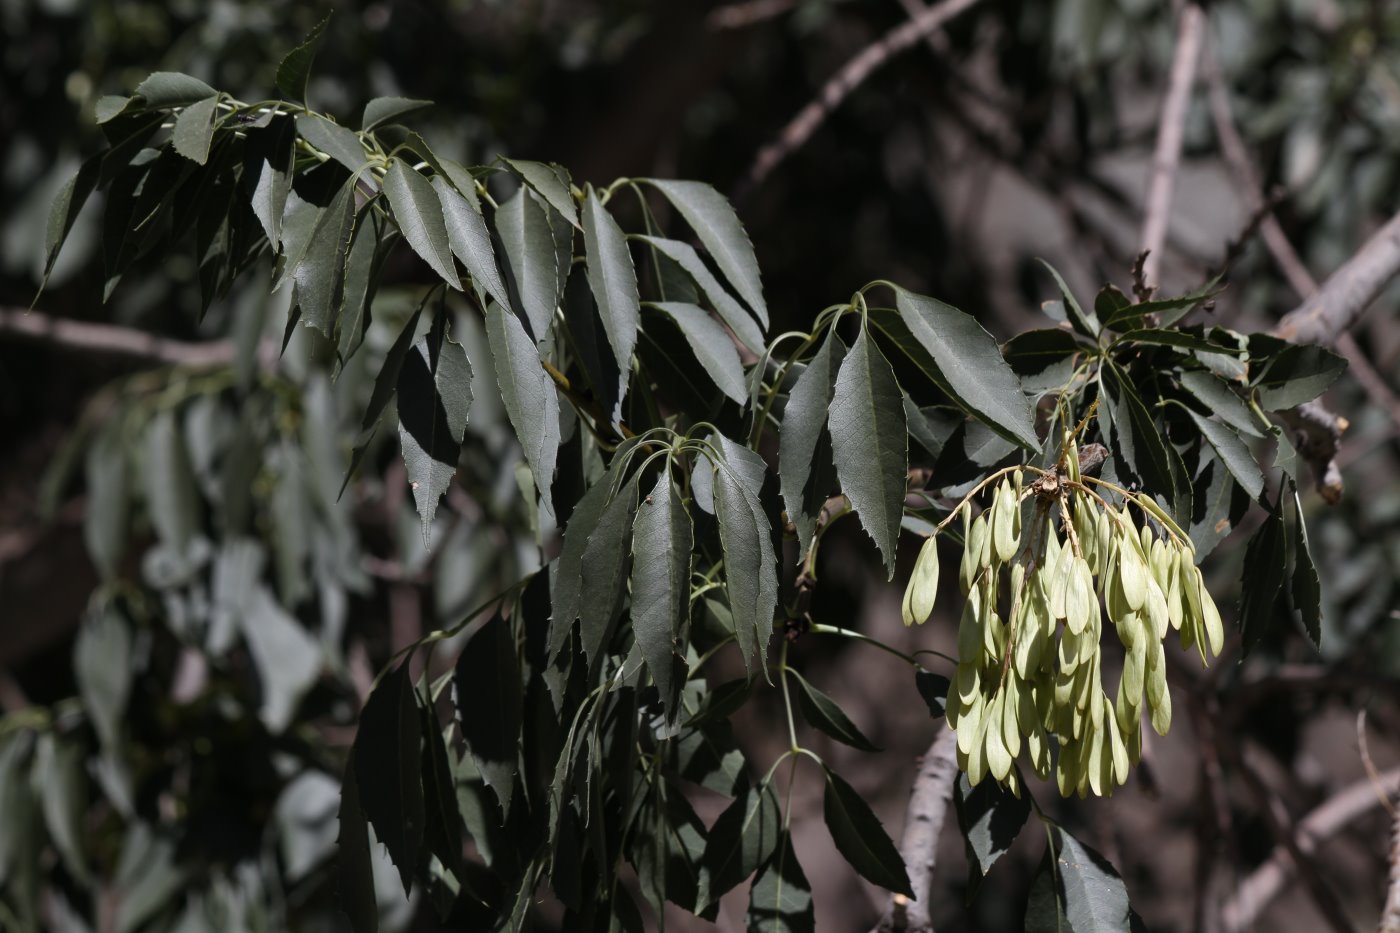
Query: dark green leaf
x,y
979,378
490,705
287,658
1262,581
531,259
804,418
109,106
108,499
550,182
1167,311
1109,301
750,568
333,139
1233,452
385,385
710,757
1084,322
1173,338
661,543
1306,589
870,443
712,218
443,820
165,89
353,869
860,838
1296,375
722,701
1088,896
295,69
823,714
60,778
103,671
384,109
270,167
171,498
780,900
320,275
362,267
729,310
530,400
613,280
1217,504
1043,359
604,568
470,241
991,818
1221,401
568,577
743,838
194,129
387,767
712,346
434,396
934,689
64,212
419,216
1140,445
930,427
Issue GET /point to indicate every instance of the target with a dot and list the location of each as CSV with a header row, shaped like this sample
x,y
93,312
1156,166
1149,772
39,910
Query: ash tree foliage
x,y
677,469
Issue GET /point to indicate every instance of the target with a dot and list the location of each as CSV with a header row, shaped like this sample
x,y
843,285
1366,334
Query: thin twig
x,y
1256,892
115,340
923,824
750,13
1170,129
800,128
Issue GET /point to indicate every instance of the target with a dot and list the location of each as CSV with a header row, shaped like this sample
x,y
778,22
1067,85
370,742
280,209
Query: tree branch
x,y
1348,292
115,340
923,824
800,128
1167,156
1255,893
1390,916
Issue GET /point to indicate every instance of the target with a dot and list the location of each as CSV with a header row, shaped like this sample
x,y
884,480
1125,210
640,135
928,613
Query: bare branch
x,y
1348,292
1189,35
749,13
800,128
114,340
923,824
1390,916
1255,893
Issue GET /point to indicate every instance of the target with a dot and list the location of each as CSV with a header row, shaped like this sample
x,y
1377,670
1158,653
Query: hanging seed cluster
x,y
1039,594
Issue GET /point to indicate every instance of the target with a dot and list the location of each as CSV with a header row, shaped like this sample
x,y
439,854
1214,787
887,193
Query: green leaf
x,y
288,660
1140,446
780,900
270,166
106,516
320,275
822,712
861,839
103,671
60,780
934,689
387,768
1262,580
991,818
1167,311
530,400
1084,322
1305,586
549,182
67,204
295,69
171,498
978,378
110,106
713,348
1298,374
385,385
165,89
1109,301
1043,359
362,268
1233,452
742,839
1218,503
194,129
613,280
1173,338
418,213
714,221
870,443
1086,895
490,705
470,241
661,544
384,109
532,264
566,598
354,871
605,580
333,139
729,310
804,419
750,567
434,396
1220,400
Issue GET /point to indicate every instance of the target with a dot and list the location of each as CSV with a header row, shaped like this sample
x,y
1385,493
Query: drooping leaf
x,y
1139,441
444,828
1043,359
550,182
1217,504
108,500
860,838
287,658
102,669
388,775
1086,322
63,213
385,109
605,557
729,310
613,280
934,689
714,221
333,139
1233,452
194,129
823,713
713,348
490,705
566,601
1221,400
320,275
1166,311
353,869
385,385
171,497
418,213
60,780
362,267
780,900
165,89
870,443
434,397
991,818
269,166
295,68
980,380
1165,337
529,396
1306,590
531,259
804,418
1299,373
743,838
470,240
1264,569
1088,896
750,567
661,545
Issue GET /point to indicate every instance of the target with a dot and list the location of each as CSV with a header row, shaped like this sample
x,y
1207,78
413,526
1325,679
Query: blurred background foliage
x,y
218,665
